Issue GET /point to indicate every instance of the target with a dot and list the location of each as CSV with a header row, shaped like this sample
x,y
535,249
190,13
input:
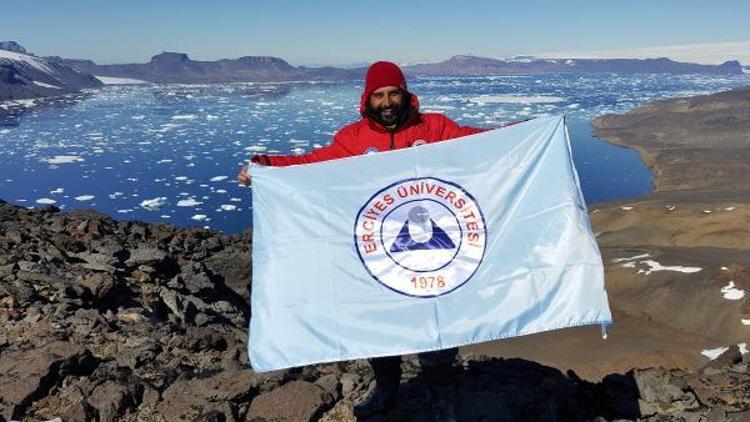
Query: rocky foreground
x,y
107,320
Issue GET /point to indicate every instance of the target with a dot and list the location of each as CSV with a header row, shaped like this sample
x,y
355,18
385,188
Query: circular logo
x,y
421,237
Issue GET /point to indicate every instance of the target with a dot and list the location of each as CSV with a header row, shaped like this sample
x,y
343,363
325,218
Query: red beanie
x,y
382,74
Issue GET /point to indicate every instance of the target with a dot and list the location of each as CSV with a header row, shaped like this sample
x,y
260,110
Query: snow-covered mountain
x,y
23,75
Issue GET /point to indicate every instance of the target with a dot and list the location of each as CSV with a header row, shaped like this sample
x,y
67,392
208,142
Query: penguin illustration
x,y
420,232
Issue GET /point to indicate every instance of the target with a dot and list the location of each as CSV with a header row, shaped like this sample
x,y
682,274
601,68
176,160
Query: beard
x,y
392,115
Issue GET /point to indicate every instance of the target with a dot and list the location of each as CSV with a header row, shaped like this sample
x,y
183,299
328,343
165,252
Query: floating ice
x,y
57,191
165,160
84,197
514,99
46,201
228,207
190,202
63,159
235,199
154,203
184,117
731,292
138,117
199,217
181,178
218,178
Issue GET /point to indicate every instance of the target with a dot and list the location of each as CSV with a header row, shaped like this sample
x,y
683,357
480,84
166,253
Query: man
x,y
390,120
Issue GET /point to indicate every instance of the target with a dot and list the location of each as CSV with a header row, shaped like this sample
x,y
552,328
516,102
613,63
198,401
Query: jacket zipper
x,y
393,142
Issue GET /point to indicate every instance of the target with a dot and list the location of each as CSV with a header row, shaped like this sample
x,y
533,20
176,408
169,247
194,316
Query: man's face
x,y
386,104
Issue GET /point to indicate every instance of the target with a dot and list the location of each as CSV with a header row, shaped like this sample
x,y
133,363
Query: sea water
x,y
171,153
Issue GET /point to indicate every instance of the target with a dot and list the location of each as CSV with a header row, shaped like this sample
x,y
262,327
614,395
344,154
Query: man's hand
x,y
244,176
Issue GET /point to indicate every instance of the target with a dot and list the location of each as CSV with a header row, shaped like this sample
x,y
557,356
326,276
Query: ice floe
x,y
57,191
84,197
731,292
184,117
228,207
199,217
154,203
190,202
63,159
46,201
516,98
218,178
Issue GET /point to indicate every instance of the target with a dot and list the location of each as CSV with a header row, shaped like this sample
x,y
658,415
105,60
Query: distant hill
x,y
476,66
170,67
23,75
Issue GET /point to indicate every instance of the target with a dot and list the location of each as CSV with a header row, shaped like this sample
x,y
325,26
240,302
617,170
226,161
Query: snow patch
x,y
714,353
630,258
731,292
655,266
110,80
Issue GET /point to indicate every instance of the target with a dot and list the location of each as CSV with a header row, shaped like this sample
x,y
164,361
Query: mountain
x,y
476,66
23,75
171,67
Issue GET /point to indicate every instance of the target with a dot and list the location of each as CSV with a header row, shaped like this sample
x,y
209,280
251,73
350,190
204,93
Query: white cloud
x,y
705,53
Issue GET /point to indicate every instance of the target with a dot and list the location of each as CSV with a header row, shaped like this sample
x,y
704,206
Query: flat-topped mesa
x,y
691,144
168,56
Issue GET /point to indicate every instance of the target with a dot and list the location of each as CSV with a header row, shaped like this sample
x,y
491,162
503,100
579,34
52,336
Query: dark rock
x,y
195,278
218,392
145,255
112,400
293,401
29,375
725,360
234,266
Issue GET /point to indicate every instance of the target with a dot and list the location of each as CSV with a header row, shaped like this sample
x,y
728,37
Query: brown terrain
x,y
107,320
697,216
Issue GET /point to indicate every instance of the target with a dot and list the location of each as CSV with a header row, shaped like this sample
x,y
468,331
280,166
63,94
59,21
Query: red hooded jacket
x,y
366,136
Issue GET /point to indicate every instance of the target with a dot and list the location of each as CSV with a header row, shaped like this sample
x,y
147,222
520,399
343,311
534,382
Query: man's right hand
x,y
244,176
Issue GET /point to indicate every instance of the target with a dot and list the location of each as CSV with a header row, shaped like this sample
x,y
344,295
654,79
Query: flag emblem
x,y
421,237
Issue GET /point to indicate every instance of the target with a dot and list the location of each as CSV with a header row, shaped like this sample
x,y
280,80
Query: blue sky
x,y
346,32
